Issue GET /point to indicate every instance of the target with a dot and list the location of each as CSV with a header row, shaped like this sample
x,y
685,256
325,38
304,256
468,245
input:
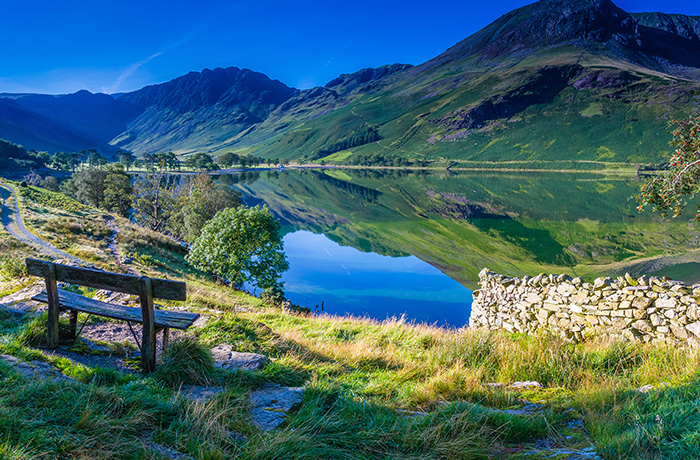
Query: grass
x,y
361,378
57,200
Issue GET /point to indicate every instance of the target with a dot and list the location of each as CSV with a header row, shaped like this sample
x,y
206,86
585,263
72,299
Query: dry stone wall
x,y
656,310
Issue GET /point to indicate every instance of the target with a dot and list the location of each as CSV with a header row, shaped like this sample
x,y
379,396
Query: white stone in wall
x,y
694,328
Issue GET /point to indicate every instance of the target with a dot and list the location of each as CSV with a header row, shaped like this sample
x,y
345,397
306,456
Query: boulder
x,y
226,358
269,405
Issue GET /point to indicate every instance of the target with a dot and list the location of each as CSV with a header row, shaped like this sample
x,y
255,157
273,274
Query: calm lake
x,y
392,243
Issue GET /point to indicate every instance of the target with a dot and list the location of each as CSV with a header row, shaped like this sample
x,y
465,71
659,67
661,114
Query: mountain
x,y
554,80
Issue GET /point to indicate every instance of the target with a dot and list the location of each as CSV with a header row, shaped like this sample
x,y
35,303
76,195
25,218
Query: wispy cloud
x,y
128,72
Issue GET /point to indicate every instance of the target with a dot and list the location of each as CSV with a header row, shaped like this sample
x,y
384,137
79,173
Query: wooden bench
x,y
147,289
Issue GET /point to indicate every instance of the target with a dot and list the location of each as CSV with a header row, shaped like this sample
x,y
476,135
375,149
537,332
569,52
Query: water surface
x,y
387,243
351,282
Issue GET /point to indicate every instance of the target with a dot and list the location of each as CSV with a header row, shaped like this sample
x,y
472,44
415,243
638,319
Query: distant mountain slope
x,y
557,79
200,109
65,122
550,81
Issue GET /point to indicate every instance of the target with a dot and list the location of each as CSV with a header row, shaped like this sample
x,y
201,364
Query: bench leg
x,y
148,342
73,324
53,310
166,338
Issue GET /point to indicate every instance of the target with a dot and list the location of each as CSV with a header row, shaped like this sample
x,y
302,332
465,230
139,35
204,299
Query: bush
x,y
273,295
187,362
13,267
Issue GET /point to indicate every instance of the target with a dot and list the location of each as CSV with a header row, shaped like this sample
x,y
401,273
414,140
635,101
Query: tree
x,y
118,192
50,183
668,192
228,159
126,158
89,186
199,201
241,245
154,201
171,161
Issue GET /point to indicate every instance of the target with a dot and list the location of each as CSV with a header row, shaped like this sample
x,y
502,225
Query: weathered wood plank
x,y
73,324
163,318
49,274
166,338
148,337
162,289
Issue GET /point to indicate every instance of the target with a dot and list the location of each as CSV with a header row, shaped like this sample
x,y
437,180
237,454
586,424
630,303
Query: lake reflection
x,y
349,281
516,224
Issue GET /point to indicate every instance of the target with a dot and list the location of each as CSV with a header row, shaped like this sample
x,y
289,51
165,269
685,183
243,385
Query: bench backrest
x,y
129,284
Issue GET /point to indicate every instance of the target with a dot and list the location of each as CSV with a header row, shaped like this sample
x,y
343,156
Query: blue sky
x,y
114,46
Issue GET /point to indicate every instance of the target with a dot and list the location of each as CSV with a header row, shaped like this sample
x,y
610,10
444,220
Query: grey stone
x,y
200,393
694,328
226,358
166,452
525,385
269,406
34,369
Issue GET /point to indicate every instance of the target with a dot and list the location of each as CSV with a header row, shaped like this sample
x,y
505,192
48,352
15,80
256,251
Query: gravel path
x,y
13,223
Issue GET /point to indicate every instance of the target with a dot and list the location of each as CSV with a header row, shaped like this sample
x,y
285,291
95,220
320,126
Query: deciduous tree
x,y
241,245
668,192
118,192
154,201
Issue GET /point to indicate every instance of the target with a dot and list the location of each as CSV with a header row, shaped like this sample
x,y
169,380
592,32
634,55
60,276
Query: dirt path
x,y
13,223
112,242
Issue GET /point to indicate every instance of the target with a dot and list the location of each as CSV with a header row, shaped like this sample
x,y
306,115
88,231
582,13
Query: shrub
x,y
187,361
13,267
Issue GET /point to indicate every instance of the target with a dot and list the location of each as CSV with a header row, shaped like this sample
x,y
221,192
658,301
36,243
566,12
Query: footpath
x,y
14,224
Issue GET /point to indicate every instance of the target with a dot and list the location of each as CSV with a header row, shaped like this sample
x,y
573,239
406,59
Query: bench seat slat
x,y
163,318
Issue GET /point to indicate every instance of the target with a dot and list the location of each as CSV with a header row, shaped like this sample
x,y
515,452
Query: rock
x,y
642,326
665,303
601,282
694,328
34,369
200,393
226,358
166,452
642,303
527,409
551,306
648,388
23,295
269,406
525,385
679,332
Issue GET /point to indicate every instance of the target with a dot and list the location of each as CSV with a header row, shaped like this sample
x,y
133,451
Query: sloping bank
x,y
654,310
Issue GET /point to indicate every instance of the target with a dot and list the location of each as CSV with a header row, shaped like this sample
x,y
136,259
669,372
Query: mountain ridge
x,y
541,63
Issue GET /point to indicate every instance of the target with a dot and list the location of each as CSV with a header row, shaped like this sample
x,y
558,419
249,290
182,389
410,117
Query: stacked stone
x,y
655,310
